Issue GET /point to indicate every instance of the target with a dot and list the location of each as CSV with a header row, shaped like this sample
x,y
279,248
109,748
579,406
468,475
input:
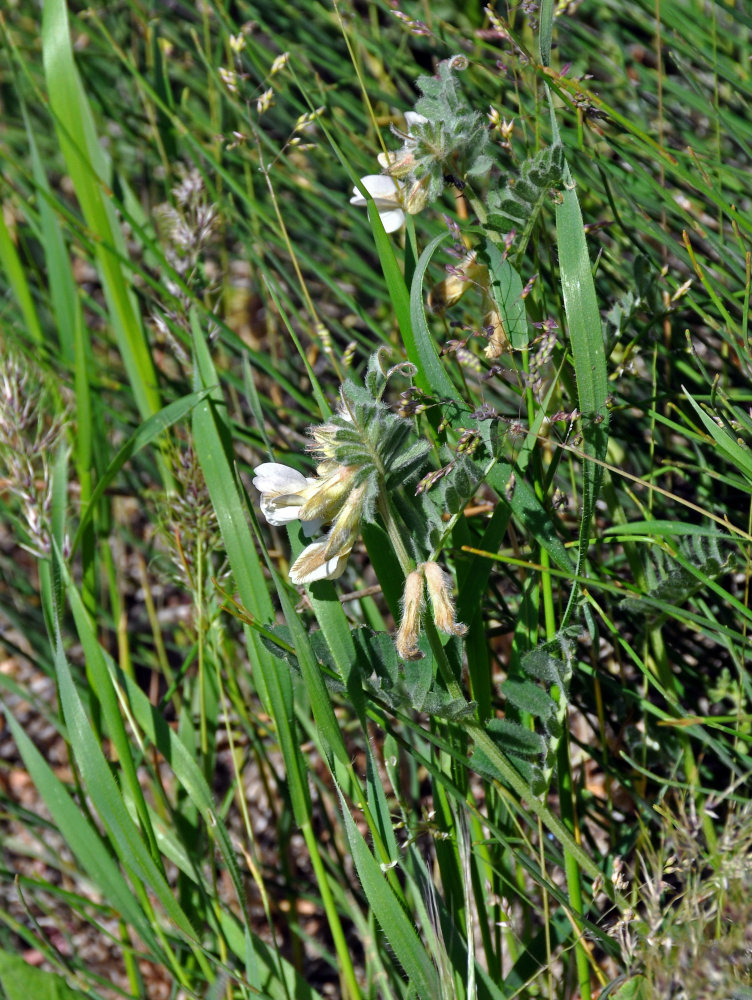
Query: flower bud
x,y
406,640
417,196
327,495
498,342
442,602
397,163
449,291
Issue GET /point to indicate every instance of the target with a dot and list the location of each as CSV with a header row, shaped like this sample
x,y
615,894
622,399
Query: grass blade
x,y
396,926
89,172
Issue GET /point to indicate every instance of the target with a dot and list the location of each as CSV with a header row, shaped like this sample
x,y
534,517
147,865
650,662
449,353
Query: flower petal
x,y
283,492
312,564
413,118
273,477
331,490
391,221
277,513
384,190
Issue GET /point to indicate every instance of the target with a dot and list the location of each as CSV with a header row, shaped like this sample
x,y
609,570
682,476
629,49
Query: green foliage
x,y
454,134
671,583
544,705
241,787
367,435
19,981
507,294
519,204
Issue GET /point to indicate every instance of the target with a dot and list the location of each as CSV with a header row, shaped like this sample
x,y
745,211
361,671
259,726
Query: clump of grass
x,y
536,480
689,932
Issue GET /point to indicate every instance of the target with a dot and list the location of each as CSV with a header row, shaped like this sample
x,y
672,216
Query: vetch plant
x,y
364,451
448,146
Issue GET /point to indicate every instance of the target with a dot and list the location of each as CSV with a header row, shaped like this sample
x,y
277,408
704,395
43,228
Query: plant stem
x,y
405,561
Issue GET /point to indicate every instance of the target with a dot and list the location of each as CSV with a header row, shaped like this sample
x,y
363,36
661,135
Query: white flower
x,y
283,492
387,195
286,496
400,162
312,564
388,192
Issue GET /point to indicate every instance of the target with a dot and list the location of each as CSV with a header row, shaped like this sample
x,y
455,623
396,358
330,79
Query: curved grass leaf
x,y
738,455
419,344
214,450
144,435
88,170
506,291
394,922
86,843
100,784
586,343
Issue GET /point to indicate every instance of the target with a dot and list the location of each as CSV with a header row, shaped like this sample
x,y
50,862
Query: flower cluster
x,y
444,142
390,195
187,228
287,495
366,456
431,576
362,451
33,423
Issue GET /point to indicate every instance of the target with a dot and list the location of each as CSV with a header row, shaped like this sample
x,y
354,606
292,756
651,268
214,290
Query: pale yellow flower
x,y
406,640
326,559
287,496
442,602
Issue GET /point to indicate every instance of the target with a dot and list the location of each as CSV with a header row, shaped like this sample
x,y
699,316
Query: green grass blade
x,y
395,281
106,797
19,980
506,290
89,172
739,456
546,29
395,924
104,691
186,770
148,432
14,272
419,344
529,511
214,450
328,728
587,346
63,294
214,446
